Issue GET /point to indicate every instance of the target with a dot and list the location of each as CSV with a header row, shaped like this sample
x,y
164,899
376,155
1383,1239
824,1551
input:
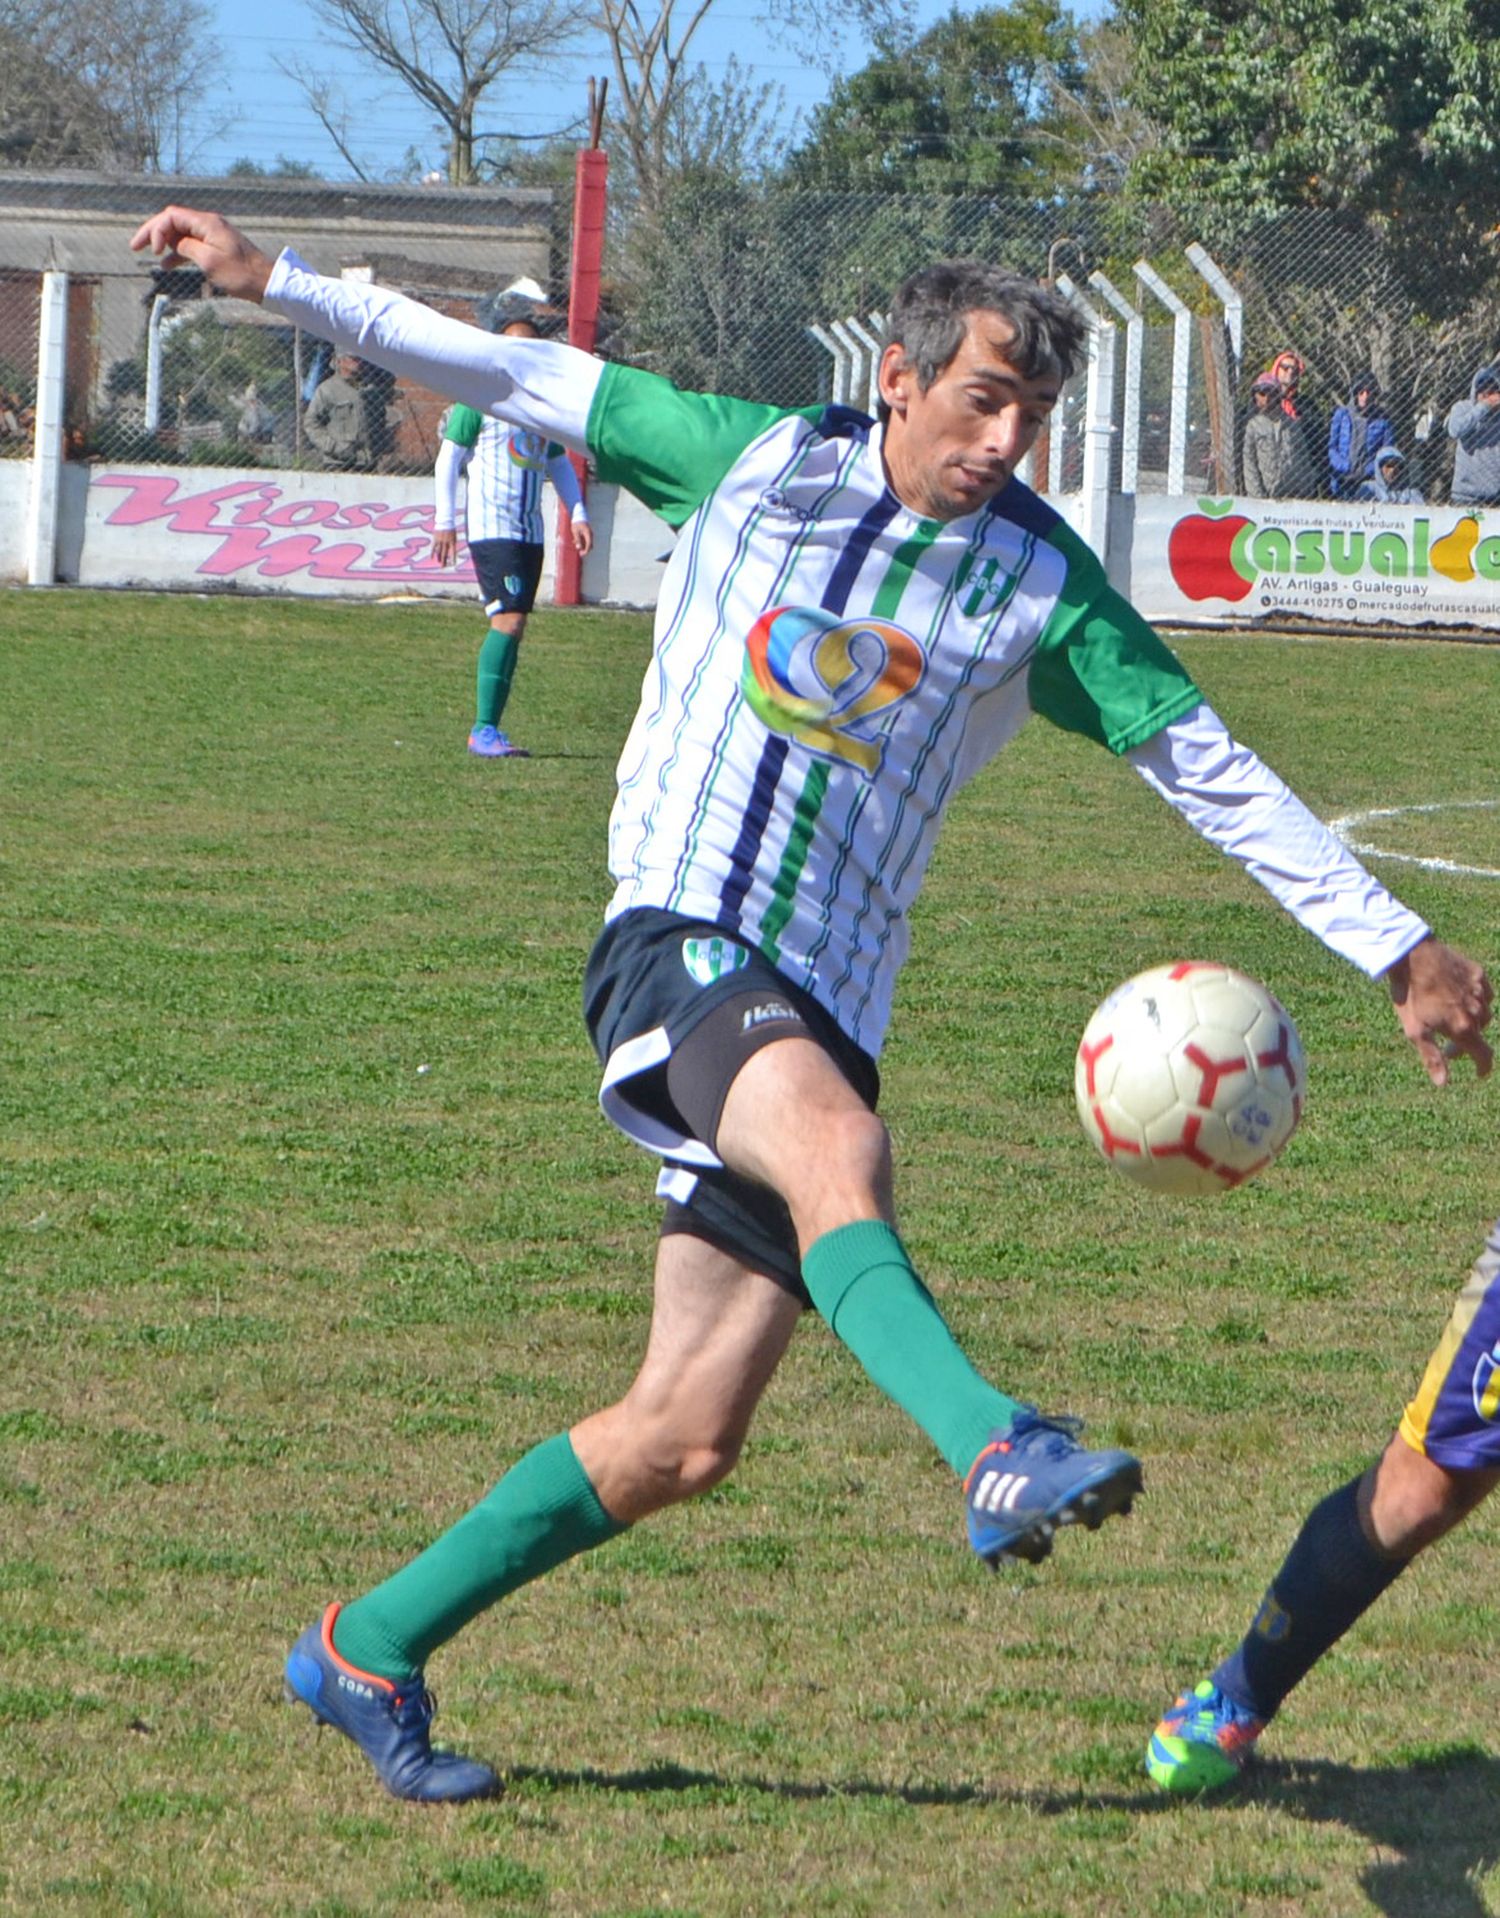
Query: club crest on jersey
x,y
710,959
526,448
1487,1384
832,684
987,588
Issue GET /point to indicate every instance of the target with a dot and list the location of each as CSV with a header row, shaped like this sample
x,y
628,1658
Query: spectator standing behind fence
x,y
1356,434
1474,427
1389,481
339,420
1269,462
1303,477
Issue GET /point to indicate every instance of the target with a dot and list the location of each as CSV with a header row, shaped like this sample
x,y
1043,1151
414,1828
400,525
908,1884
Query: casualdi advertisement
x,y
1231,559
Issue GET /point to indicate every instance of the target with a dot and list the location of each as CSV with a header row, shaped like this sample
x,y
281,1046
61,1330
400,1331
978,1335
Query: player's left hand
x,y
234,264
1443,1001
583,537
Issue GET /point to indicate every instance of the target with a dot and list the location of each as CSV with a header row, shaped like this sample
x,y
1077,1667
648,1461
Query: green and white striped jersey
x,y
504,473
830,669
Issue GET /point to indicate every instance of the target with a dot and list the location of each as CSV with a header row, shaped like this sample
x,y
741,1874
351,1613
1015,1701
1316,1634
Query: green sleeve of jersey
x,y
462,426
1099,669
668,447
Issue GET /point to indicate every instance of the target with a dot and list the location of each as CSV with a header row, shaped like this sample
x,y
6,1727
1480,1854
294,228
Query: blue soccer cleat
x,y
1034,1477
488,742
1203,1742
389,1723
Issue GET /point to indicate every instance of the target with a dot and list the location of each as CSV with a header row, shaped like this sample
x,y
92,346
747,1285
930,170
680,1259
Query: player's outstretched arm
x,y
1443,1001
207,240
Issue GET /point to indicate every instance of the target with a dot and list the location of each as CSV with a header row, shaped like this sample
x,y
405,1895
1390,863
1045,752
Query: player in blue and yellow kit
x,y
1442,1462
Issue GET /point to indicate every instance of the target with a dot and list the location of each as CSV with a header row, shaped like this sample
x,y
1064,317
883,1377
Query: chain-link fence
x,y
162,371
735,290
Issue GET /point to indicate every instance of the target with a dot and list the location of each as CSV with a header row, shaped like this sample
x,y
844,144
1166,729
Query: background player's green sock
x,y
543,1511
863,1283
497,668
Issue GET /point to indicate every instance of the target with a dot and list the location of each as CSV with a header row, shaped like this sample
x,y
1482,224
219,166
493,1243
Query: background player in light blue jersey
x,y
504,466
858,614
1442,1462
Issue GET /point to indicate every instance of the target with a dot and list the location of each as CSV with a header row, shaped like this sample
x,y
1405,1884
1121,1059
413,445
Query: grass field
x,y
311,1226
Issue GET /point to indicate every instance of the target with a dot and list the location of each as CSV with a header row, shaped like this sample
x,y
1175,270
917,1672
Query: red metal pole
x,y
590,180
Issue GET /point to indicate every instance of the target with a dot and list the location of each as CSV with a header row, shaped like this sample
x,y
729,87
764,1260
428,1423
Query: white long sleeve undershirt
x,y
539,384
1233,799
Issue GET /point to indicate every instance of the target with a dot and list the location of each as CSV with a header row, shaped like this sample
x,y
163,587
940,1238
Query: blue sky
x,y
269,117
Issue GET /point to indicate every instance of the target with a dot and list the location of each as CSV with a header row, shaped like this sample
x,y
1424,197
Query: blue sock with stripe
x,y
1331,1577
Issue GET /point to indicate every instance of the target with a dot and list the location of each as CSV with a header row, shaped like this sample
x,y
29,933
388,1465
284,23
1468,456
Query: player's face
x,y
949,450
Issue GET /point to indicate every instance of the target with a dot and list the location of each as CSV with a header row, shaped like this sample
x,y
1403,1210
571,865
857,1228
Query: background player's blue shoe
x,y
1202,1743
1035,1477
389,1723
488,742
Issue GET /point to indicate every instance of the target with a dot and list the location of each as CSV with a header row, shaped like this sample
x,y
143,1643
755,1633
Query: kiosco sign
x,y
1243,559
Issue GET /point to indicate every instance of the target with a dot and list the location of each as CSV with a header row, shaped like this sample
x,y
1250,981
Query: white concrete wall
x,y
326,533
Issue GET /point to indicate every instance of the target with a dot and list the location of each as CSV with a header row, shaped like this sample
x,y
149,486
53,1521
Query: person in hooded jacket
x,y
1301,478
1389,482
1474,426
1356,434
1271,464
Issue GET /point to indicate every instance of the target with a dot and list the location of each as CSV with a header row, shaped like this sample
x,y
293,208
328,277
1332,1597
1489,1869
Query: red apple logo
x,y
1206,553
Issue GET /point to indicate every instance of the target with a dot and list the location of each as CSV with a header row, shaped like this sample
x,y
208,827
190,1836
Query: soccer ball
x,y
1190,1078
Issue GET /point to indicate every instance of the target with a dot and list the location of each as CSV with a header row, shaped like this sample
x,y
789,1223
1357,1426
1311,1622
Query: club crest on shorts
x,y
513,584
1487,1384
710,959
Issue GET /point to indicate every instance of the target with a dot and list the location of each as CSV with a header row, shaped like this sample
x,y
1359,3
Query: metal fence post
x,y
47,440
1098,419
1182,348
590,195
1135,331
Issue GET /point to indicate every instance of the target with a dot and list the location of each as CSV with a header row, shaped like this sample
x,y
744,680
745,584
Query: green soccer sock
x,y
863,1283
542,1512
497,668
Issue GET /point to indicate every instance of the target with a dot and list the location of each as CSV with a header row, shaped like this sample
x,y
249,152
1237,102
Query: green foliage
x,y
1362,105
970,106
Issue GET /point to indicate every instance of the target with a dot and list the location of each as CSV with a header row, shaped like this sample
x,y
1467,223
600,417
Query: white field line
x,y
1345,827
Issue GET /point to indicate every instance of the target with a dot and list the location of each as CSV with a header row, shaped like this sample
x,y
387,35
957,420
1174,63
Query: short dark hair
x,y
929,317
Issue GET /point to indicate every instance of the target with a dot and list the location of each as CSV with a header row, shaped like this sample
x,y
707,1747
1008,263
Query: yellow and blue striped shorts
x,y
1455,1418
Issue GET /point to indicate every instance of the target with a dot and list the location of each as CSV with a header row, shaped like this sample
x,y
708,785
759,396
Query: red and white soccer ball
x,y
1190,1078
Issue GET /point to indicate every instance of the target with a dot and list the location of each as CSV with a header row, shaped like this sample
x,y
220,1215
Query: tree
x,y
655,79
115,84
970,106
1369,106
448,53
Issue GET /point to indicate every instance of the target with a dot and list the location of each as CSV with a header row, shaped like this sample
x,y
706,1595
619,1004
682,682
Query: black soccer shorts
x,y
509,572
675,1006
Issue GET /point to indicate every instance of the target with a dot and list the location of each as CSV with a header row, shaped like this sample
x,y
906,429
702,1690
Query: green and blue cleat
x,y
1202,1742
389,1723
1035,1477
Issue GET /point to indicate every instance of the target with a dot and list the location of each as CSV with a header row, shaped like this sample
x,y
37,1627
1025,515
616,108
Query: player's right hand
x,y
1444,1001
208,241
445,545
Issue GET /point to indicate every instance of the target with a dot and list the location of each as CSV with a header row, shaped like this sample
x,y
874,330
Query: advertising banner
x,y
290,532
1342,564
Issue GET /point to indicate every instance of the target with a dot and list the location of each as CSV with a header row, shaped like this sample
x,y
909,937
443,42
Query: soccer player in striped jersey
x,y
1442,1462
857,615
503,466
